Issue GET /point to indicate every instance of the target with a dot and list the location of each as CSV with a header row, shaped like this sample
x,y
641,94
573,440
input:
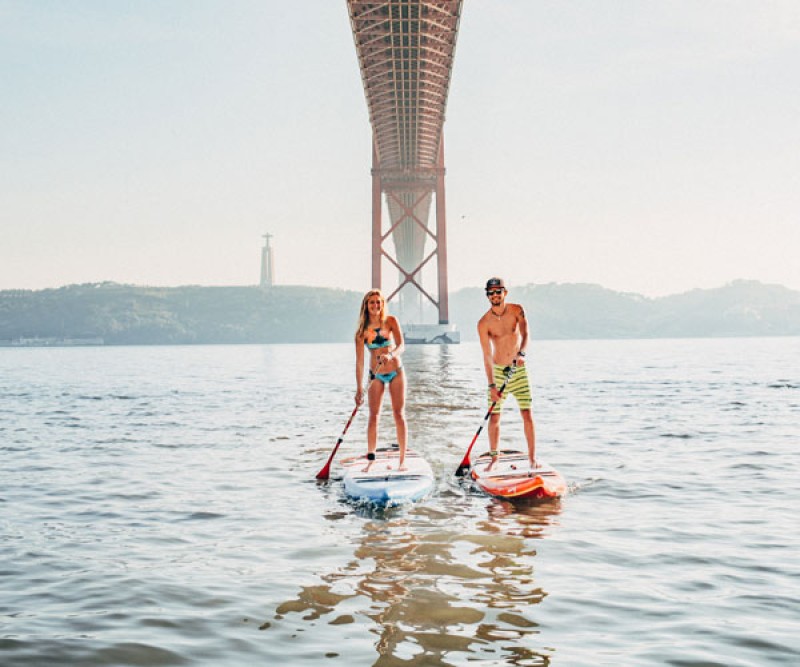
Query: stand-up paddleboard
x,y
512,477
380,481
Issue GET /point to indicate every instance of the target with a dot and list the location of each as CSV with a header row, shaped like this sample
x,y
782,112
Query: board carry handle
x,y
465,462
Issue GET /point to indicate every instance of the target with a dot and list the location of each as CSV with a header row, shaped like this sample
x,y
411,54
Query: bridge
x,y
405,52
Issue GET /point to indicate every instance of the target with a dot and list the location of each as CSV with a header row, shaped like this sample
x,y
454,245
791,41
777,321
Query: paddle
x,y
465,463
325,473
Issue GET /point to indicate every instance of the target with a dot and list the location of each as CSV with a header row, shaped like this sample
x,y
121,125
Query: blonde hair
x,y
363,316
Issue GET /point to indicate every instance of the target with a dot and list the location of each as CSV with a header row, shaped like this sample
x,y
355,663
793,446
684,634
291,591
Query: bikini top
x,y
378,341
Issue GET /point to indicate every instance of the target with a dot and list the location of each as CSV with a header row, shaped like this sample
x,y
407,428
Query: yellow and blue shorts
x,y
518,386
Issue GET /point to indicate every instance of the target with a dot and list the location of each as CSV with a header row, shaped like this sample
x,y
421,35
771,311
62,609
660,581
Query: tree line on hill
x,y
128,314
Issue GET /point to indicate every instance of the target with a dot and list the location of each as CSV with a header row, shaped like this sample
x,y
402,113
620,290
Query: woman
x,y
380,333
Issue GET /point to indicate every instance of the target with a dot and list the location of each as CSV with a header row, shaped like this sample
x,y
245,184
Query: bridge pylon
x,y
416,245
405,51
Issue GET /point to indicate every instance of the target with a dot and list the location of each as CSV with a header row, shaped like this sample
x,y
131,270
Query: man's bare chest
x,y
501,329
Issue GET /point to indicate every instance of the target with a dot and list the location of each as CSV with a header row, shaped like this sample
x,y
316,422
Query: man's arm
x,y
486,348
523,332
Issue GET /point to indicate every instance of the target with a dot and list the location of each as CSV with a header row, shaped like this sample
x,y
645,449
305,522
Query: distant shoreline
x,y
108,314
4,345
52,342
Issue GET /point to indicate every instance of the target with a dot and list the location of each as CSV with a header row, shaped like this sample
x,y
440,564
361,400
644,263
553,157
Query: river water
x,y
158,507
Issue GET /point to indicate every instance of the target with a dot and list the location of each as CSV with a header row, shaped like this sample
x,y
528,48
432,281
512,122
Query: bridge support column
x,y
441,237
377,220
408,198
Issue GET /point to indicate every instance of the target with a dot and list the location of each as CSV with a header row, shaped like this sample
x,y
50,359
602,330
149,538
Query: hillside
x,y
126,314
741,308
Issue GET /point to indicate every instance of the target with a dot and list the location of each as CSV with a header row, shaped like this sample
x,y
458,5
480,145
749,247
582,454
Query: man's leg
x,y
501,379
494,436
530,434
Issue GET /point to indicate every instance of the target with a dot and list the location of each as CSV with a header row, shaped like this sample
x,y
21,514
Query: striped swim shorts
x,y
518,386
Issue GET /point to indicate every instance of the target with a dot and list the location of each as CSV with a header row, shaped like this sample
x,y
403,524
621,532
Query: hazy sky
x,y
649,146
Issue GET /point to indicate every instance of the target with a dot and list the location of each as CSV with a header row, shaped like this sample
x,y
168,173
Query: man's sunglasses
x,y
493,292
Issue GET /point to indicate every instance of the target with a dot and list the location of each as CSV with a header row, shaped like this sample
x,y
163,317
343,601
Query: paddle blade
x,y
465,461
462,469
325,473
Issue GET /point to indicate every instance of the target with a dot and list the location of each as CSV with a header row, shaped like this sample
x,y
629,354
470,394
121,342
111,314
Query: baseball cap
x,y
495,282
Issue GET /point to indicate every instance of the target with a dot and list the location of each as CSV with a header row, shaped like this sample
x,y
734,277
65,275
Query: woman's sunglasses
x,y
493,292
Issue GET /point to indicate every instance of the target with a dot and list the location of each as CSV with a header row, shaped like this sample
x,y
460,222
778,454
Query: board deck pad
x,y
511,477
381,482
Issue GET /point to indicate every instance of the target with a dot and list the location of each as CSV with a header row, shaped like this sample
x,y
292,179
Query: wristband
x,y
492,386
521,353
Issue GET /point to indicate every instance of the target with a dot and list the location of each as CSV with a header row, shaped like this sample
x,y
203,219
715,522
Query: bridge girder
x,y
405,52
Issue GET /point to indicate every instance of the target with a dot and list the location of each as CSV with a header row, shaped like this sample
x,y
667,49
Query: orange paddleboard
x,y
512,477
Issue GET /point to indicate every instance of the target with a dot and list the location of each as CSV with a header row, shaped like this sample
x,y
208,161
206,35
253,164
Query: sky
x,y
650,147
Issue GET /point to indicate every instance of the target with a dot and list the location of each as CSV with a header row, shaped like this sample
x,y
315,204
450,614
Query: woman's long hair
x,y
363,317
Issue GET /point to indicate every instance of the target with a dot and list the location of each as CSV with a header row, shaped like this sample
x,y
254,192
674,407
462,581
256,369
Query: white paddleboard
x,y
381,482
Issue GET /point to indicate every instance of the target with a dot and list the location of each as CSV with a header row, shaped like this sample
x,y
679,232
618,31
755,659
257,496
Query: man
x,y
503,332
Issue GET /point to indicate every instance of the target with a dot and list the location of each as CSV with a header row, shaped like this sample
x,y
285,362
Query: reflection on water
x,y
526,518
436,596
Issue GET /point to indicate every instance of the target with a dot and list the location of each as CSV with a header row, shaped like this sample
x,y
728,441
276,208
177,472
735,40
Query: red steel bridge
x,y
405,52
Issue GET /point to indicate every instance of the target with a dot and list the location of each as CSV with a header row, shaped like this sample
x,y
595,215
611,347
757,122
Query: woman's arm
x,y
397,332
359,368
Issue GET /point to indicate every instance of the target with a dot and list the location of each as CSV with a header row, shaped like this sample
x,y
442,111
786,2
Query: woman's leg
x,y
397,390
375,399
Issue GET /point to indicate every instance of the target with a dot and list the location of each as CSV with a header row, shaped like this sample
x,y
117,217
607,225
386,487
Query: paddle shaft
x,y
325,473
326,470
465,461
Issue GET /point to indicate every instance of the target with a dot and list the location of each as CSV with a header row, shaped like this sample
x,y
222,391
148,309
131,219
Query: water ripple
x,y
159,508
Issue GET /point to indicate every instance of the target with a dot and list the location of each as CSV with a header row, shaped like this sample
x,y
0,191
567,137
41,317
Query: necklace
x,y
505,308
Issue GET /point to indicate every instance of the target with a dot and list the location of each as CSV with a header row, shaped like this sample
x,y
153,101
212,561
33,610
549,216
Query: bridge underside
x,y
405,51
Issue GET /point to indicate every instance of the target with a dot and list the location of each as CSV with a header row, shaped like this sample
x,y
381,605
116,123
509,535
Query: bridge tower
x,y
405,51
